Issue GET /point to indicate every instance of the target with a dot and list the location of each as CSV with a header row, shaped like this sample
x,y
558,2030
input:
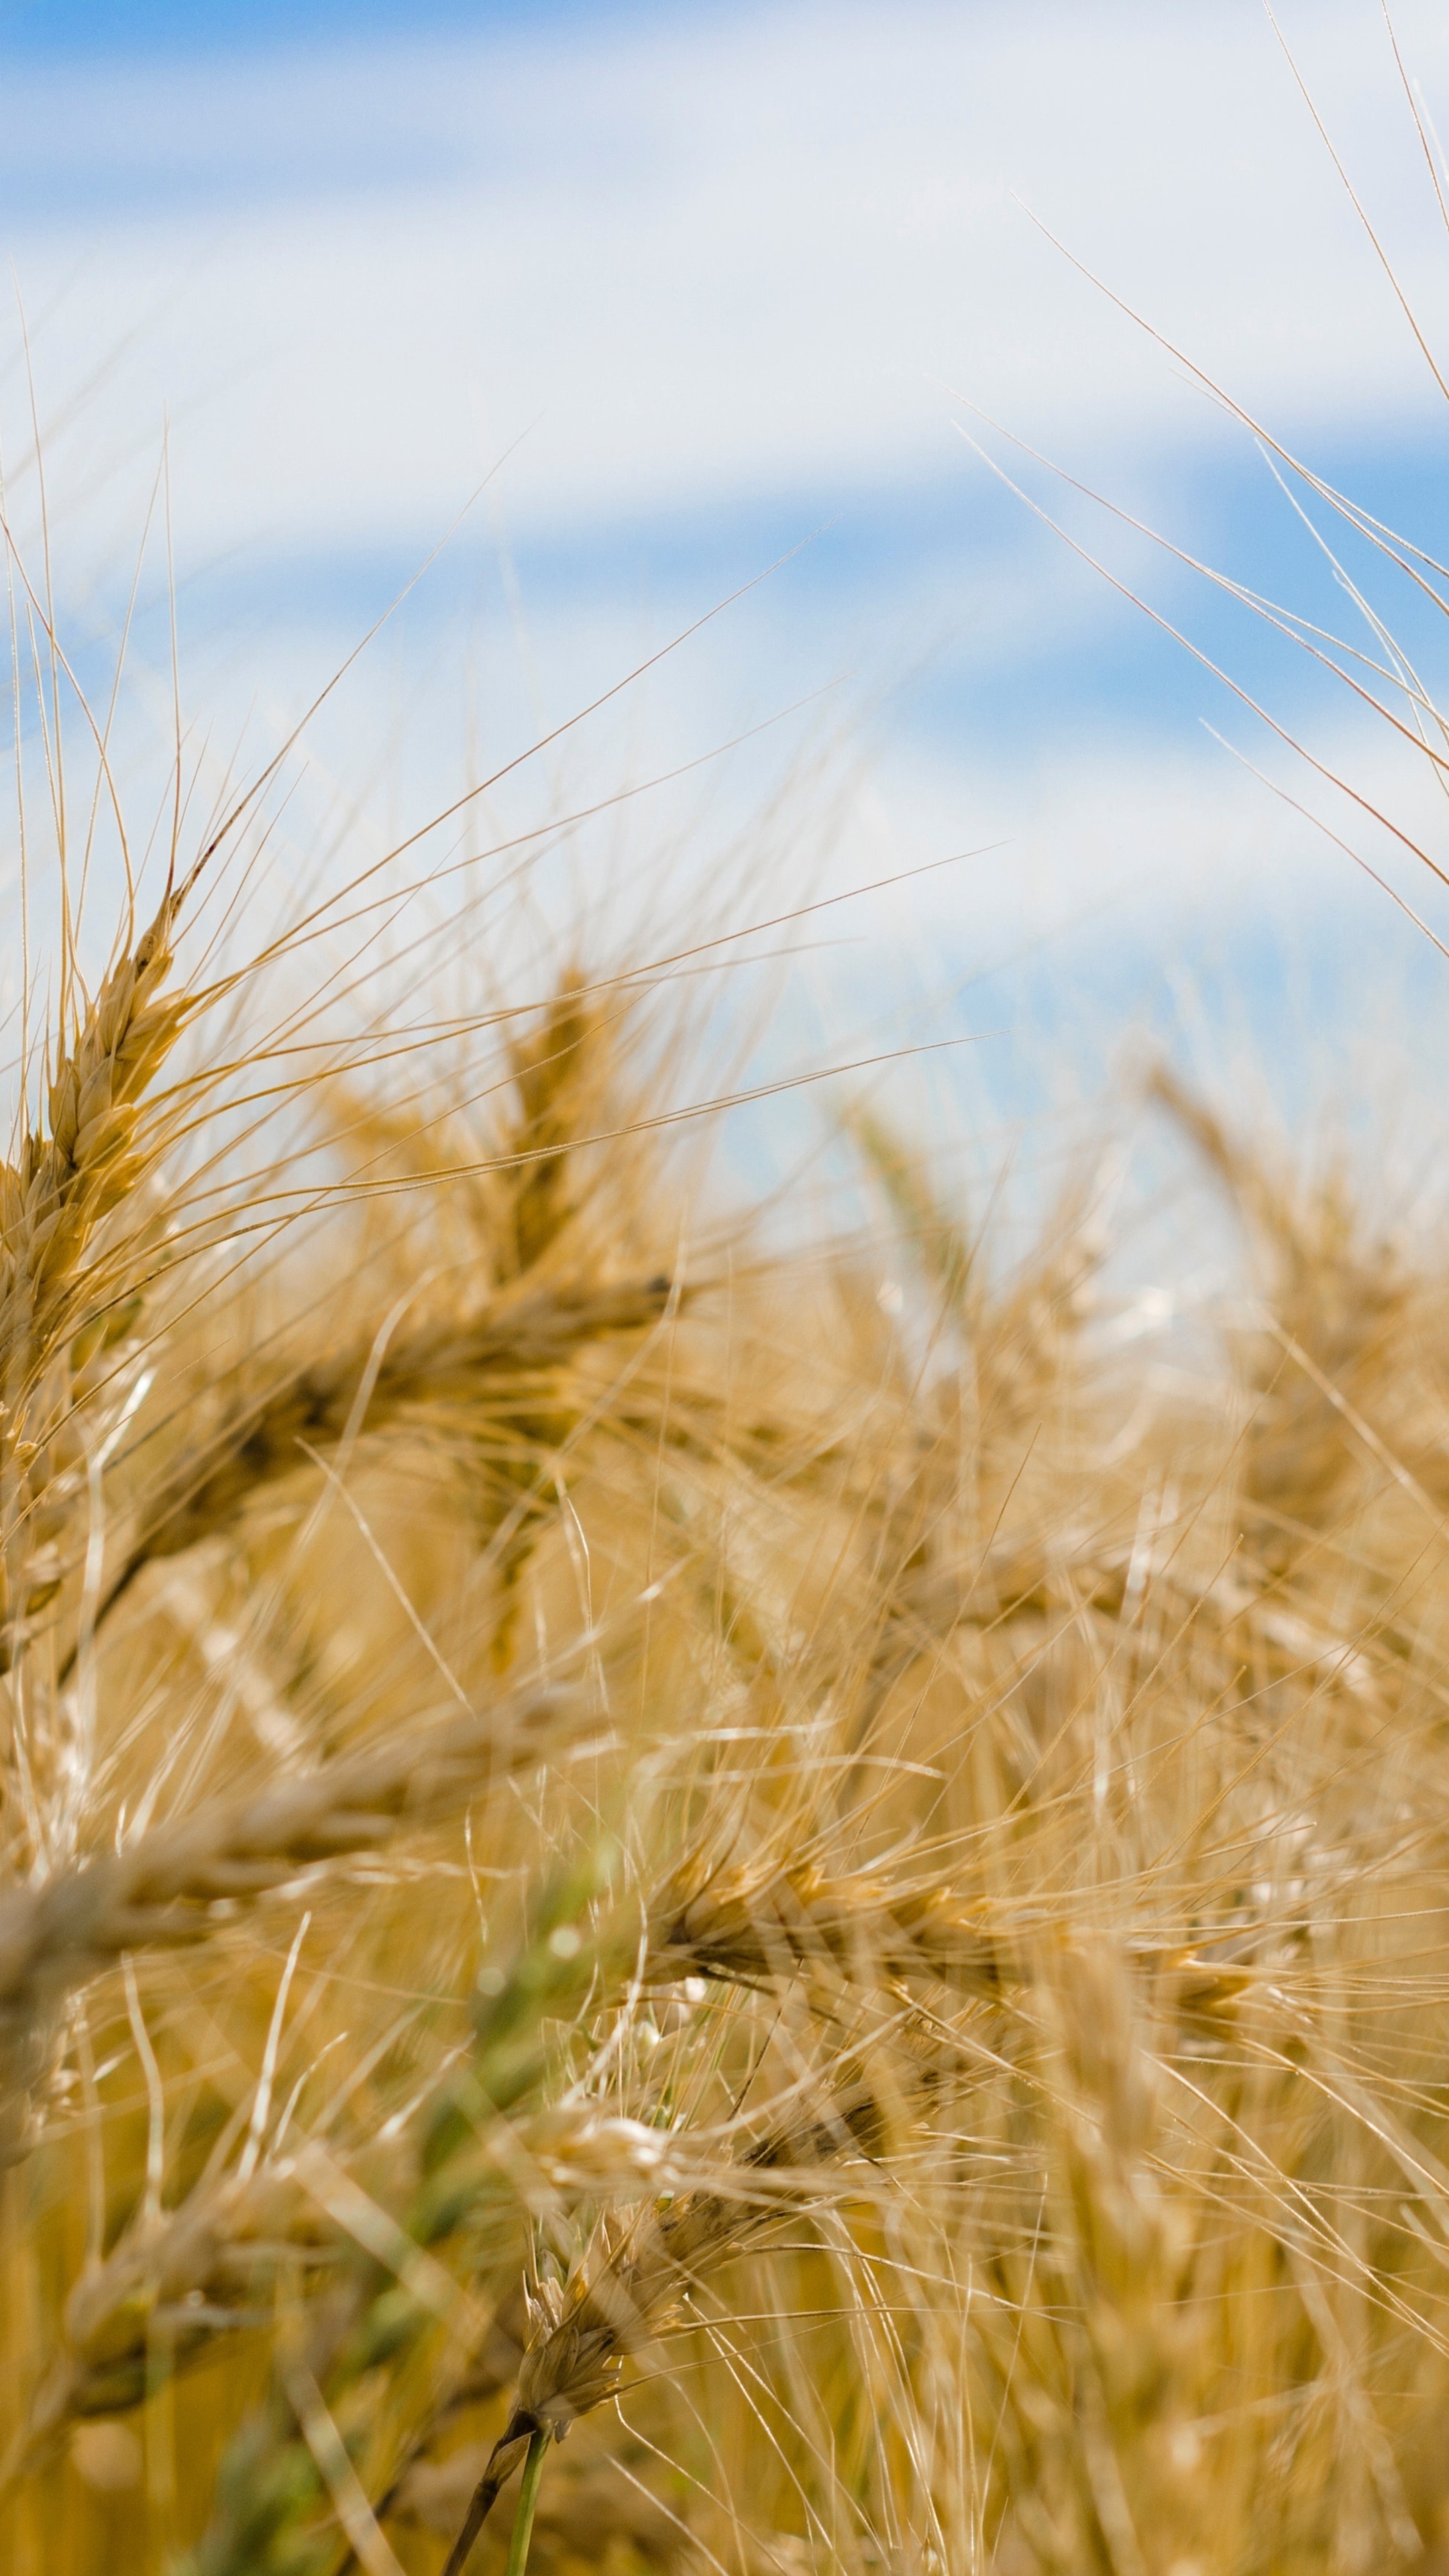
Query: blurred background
x,y
630,310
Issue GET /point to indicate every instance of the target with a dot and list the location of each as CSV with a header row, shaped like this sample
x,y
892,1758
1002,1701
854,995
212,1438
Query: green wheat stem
x,y
527,2499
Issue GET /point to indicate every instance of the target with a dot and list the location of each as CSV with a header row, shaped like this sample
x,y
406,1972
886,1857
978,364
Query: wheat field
x,y
680,1897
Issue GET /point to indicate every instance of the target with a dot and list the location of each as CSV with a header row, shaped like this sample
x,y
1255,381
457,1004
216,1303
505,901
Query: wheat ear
x,y
66,1178
754,1923
559,1075
639,2276
499,1355
164,1889
192,2273
197,2273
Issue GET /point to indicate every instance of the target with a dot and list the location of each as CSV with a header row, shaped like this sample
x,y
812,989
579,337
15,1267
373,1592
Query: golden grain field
x,y
608,1834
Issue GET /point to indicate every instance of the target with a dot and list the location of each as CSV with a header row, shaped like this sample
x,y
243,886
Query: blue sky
x,y
66,30
699,289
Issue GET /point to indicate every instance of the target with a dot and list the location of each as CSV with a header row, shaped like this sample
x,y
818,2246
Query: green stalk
x,y
269,2489
527,2499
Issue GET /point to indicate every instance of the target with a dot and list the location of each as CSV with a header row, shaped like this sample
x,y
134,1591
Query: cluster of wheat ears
x,y
659,1912
609,1836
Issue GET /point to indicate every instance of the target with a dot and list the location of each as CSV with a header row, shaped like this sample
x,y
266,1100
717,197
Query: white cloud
x,y
719,256
726,260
